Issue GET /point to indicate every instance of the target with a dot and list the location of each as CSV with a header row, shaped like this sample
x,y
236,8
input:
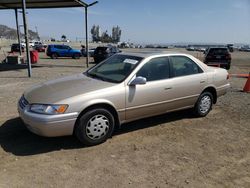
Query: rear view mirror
x,y
138,81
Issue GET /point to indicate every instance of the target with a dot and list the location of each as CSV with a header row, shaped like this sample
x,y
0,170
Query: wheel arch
x,y
213,91
104,105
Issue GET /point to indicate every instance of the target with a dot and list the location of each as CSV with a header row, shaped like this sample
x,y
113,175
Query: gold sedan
x,y
123,88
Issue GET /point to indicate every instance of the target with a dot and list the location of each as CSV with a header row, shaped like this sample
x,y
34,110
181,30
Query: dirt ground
x,y
172,150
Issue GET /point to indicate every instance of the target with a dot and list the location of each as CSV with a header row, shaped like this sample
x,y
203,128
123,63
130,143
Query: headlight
x,y
48,109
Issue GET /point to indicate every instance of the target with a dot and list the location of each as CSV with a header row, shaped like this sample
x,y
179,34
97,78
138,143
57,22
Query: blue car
x,y
57,50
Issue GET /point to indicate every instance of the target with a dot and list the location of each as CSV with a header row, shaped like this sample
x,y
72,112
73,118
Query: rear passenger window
x,y
183,66
155,69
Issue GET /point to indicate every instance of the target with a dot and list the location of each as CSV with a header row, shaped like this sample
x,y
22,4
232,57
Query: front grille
x,y
23,102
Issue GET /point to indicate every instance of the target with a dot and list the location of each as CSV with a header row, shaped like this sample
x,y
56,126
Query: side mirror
x,y
138,81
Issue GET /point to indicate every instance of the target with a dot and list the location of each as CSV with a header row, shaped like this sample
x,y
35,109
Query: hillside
x,y
10,33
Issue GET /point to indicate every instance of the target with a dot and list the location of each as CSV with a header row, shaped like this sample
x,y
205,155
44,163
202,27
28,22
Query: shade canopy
x,y
17,4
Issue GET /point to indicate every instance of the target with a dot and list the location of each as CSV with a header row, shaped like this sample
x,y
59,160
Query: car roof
x,y
57,45
218,47
149,54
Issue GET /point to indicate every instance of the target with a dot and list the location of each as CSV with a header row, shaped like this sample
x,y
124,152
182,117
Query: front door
x,y
150,99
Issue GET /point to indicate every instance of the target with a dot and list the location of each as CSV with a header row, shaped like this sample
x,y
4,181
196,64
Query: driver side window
x,y
155,69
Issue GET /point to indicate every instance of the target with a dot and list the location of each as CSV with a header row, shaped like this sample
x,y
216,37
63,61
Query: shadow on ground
x,y
16,139
11,67
68,66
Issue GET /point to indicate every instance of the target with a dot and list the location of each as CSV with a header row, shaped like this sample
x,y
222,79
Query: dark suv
x,y
55,51
103,52
218,55
15,48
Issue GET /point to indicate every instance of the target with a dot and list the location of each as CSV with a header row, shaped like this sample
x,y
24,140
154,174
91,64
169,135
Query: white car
x,y
31,44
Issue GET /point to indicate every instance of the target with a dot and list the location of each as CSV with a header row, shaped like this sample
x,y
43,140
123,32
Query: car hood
x,y
54,91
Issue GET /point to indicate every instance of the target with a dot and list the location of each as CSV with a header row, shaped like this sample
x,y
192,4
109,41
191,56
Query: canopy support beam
x,y
26,34
86,30
18,32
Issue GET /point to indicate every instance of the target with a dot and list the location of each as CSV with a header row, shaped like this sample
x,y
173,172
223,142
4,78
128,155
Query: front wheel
x,y
95,127
203,104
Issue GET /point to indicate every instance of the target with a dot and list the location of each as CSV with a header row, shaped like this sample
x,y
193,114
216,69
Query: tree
x,y
116,34
105,37
95,32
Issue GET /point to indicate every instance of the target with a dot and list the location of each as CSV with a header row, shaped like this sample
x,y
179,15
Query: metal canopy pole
x,y
26,34
18,32
86,30
86,6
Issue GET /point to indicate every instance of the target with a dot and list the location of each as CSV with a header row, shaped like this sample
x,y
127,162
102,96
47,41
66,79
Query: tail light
x,y
227,76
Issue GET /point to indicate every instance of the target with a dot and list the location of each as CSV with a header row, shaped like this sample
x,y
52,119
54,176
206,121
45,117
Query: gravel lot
x,y
172,150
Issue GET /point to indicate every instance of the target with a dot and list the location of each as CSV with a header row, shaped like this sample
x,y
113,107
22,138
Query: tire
x,y
95,127
76,56
54,56
228,66
204,104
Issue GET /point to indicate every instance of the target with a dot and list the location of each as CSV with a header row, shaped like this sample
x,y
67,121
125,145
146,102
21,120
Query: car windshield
x,y
218,51
115,69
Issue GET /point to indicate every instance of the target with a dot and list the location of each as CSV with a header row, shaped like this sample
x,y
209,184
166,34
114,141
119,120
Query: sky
x,y
148,22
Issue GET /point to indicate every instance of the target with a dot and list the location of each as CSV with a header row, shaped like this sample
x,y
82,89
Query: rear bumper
x,y
48,125
222,90
217,62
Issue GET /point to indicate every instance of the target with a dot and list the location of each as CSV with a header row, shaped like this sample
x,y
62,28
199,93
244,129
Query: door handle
x,y
167,88
203,81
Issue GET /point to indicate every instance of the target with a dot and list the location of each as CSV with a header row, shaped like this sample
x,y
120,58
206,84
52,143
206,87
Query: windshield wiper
x,y
92,75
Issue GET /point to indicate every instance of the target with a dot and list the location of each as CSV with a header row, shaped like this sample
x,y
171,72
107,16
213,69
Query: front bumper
x,y
48,125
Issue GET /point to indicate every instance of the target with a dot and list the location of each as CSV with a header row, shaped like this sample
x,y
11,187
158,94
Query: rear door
x,y
65,50
188,80
58,49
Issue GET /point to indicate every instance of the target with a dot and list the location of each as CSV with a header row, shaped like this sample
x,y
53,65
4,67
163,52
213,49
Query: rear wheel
x,y
203,104
54,56
95,127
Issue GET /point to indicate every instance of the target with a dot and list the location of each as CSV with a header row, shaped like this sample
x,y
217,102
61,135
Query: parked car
x,y
40,43
218,55
190,48
201,49
121,89
16,48
244,49
39,48
31,44
103,52
91,51
55,50
230,47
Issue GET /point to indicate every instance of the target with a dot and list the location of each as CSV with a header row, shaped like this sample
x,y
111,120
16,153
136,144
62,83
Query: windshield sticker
x,y
131,61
